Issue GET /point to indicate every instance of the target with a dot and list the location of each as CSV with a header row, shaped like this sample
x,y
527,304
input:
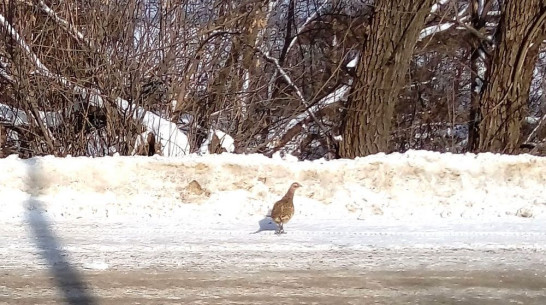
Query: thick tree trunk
x,y
386,55
504,101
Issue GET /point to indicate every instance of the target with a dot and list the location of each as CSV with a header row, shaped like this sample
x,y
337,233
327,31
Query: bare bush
x,y
96,78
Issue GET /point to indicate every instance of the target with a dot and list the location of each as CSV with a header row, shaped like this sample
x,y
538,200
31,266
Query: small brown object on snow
x,y
283,210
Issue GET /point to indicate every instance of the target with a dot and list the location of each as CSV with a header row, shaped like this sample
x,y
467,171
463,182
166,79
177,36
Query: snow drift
x,y
415,185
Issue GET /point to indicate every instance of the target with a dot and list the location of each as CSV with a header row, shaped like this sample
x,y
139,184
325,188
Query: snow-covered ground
x,y
397,220
419,186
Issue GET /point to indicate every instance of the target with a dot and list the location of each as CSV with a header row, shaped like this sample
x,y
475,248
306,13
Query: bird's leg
x,y
280,229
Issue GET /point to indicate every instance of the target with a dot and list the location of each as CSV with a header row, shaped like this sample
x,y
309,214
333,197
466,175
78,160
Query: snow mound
x,y
415,185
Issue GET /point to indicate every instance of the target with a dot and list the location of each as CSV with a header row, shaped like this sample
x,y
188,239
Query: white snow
x,y
437,6
95,265
337,95
434,29
18,117
226,141
174,142
417,185
208,213
353,62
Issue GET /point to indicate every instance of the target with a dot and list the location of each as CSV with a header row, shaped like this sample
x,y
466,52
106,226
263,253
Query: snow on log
x,y
18,117
173,141
217,141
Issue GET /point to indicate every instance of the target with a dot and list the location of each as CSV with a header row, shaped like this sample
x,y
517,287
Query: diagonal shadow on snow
x,y
70,283
266,224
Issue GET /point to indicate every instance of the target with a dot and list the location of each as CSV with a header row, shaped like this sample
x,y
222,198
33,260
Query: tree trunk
x,y
386,55
478,69
504,101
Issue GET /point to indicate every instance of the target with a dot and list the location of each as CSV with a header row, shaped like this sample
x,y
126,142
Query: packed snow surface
x,y
414,186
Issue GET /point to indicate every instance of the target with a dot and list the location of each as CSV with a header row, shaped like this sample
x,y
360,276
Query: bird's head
x,y
295,185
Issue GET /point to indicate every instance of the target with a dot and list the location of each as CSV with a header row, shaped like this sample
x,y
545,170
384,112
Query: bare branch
x,y
173,140
13,33
287,78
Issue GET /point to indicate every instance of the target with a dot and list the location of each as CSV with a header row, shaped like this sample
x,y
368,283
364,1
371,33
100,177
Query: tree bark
x,y
504,101
386,55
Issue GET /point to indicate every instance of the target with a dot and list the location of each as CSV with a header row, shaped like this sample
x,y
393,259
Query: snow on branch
x,y
293,42
297,125
68,27
41,67
437,6
338,95
457,20
535,130
174,142
434,29
305,24
13,33
290,83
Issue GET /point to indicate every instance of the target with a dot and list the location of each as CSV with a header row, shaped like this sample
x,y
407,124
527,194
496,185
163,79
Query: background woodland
x,y
310,78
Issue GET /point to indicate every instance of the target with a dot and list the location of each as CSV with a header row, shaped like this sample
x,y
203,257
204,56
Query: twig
x,y
533,133
13,33
287,78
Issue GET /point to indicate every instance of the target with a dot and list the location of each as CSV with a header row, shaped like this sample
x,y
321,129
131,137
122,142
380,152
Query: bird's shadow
x,y
266,224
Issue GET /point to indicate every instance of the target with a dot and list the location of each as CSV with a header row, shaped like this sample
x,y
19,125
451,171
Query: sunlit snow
x,y
417,185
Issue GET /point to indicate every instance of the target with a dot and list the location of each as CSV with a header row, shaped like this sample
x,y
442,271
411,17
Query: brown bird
x,y
283,209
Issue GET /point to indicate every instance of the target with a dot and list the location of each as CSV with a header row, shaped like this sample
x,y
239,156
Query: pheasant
x,y
283,209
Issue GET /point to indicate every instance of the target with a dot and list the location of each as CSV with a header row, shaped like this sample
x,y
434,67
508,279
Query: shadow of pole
x,y
66,277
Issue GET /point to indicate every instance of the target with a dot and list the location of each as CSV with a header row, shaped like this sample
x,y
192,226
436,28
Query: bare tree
x,y
315,79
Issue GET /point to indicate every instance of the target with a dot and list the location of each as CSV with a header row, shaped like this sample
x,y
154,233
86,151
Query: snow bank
x,y
416,185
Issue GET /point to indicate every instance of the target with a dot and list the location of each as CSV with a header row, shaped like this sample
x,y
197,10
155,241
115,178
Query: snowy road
x,y
324,262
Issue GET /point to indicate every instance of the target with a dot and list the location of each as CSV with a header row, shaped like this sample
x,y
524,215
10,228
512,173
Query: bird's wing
x,y
277,209
288,212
